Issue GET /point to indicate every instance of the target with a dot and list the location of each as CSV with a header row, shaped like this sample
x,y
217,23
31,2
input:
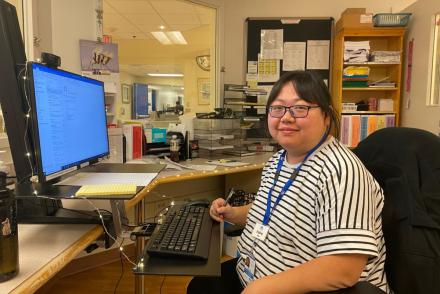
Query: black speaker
x,y
51,60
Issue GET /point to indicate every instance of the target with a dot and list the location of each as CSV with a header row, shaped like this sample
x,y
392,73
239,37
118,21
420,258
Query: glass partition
x,y
168,44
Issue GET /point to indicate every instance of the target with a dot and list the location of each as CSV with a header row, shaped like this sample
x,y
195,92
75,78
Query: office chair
x,y
406,163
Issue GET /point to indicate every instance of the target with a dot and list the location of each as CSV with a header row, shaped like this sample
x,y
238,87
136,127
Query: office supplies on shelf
x,y
133,139
185,232
106,190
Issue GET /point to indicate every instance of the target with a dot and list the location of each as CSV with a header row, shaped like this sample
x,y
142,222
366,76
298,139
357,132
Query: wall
x,y
418,114
68,22
236,12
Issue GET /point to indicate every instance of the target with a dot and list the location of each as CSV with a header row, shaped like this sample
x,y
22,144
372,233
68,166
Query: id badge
x,y
260,232
248,268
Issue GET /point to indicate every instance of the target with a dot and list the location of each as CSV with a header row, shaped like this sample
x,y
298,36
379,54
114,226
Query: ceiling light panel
x,y
176,37
162,38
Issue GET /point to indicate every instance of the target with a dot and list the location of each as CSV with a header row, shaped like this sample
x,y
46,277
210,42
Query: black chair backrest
x,y
406,163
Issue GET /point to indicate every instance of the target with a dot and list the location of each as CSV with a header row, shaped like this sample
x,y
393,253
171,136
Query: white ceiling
x,y
135,19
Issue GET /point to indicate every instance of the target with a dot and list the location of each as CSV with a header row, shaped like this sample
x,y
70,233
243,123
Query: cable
x,y
122,269
106,231
28,154
161,284
103,225
160,211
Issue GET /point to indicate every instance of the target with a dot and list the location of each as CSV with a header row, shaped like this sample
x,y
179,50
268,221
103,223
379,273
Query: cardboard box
x,y
355,18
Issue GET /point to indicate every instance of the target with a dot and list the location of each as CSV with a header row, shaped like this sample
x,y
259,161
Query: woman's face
x,y
297,135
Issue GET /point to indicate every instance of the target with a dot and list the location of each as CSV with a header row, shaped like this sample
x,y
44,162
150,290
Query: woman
x,y
315,224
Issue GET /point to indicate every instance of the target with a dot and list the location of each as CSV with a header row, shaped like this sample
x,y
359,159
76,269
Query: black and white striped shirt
x,y
332,207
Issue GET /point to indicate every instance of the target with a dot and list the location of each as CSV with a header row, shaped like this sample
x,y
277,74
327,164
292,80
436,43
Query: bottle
x,y
174,149
9,266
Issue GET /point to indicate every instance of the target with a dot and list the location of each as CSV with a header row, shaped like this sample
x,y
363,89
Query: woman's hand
x,y
219,211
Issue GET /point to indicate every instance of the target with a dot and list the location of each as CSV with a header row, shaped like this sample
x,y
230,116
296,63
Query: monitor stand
x,y
33,210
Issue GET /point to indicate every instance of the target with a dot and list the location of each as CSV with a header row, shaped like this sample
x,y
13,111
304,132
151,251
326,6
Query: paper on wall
x,y
294,56
252,80
318,52
268,70
262,99
252,67
272,44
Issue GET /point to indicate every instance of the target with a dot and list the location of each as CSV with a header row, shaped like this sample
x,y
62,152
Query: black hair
x,y
311,88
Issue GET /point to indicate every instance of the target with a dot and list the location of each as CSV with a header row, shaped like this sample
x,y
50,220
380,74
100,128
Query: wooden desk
x,y
46,249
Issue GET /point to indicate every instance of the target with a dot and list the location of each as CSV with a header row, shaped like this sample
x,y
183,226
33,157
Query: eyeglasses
x,y
297,111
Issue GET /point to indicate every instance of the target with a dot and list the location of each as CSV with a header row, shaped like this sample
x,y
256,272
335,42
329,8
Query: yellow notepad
x,y
107,189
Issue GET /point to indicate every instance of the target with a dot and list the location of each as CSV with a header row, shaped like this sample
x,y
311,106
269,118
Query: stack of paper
x,y
356,52
386,56
106,190
355,76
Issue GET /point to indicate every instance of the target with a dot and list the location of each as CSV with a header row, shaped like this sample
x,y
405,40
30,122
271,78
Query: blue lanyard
x,y
288,183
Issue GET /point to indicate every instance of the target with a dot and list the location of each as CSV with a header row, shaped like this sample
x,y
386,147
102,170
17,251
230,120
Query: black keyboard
x,y
185,232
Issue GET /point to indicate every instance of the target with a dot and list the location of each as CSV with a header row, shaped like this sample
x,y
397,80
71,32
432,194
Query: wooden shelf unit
x,y
381,39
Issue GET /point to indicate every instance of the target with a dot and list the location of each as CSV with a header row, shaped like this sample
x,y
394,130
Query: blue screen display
x,y
71,119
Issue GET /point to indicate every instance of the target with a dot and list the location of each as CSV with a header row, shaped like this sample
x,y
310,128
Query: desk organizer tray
x,y
391,19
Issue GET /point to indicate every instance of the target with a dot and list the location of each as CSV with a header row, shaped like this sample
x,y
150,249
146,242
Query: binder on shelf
x,y
355,128
133,137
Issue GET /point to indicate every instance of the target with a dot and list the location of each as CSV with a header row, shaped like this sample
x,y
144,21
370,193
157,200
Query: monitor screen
x,y
69,120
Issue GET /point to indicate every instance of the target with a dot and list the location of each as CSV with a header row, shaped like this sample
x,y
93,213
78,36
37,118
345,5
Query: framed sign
x,y
125,93
204,91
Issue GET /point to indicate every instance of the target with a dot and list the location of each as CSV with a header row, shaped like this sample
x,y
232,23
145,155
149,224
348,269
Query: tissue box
x,y
386,105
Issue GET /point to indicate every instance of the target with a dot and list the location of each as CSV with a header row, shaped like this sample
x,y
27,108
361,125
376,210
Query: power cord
x,y
122,269
121,249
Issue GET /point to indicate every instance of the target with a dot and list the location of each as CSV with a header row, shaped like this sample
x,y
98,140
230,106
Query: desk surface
x,y
46,249
256,162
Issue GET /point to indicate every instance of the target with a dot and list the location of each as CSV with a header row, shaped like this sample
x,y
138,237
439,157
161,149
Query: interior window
x,y
165,43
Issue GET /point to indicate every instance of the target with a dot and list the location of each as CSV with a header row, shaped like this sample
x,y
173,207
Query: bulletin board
x,y
278,45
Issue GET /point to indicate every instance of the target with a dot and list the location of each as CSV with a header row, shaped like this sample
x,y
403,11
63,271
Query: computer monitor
x,y
15,106
69,125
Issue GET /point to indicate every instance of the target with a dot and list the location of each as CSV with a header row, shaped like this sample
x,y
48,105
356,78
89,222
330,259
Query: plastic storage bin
x,y
391,19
